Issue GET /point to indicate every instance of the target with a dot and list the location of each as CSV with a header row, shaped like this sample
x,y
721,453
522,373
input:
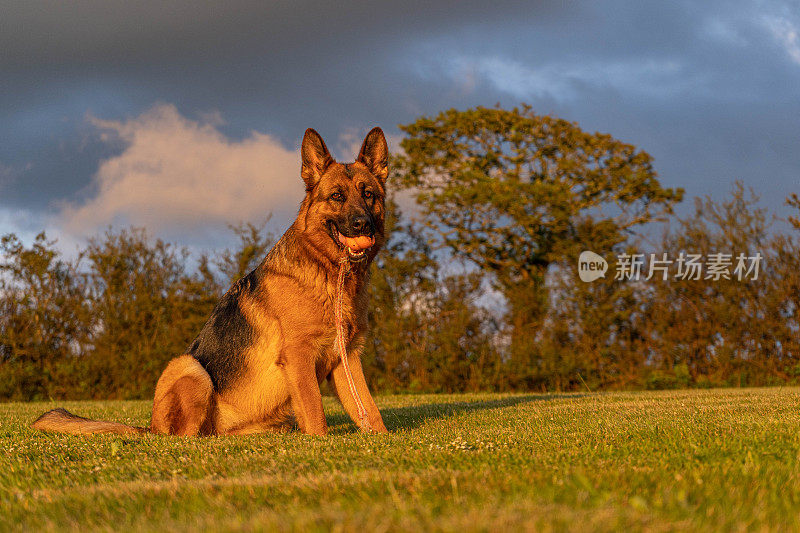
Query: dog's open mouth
x,y
356,246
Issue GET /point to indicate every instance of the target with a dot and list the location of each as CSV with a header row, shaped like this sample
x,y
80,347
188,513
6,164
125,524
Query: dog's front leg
x,y
342,387
299,371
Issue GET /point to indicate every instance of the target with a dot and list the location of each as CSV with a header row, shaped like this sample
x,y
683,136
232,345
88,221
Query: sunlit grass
x,y
721,459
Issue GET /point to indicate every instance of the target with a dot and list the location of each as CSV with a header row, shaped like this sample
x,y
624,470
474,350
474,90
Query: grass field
x,y
702,460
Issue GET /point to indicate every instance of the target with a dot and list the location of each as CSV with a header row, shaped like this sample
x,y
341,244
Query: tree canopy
x,y
513,191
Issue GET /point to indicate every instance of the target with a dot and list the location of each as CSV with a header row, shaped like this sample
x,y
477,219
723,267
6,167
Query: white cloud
x,y
786,34
722,31
349,143
179,174
18,221
562,80
9,174
27,224
6,175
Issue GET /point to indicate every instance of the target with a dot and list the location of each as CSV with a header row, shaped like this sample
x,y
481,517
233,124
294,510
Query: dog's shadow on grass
x,y
414,416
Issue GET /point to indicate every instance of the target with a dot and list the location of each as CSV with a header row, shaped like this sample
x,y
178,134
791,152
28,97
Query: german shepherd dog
x,y
258,362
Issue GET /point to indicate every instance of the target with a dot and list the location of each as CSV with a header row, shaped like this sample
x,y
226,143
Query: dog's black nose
x,y
361,225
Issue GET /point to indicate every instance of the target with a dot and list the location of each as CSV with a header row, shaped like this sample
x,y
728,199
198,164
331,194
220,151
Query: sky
x,y
184,116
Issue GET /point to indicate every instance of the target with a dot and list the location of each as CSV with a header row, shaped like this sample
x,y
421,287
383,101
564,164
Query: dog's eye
x,y
339,197
367,194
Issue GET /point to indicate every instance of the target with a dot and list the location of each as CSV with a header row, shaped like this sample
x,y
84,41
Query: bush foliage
x,y
477,291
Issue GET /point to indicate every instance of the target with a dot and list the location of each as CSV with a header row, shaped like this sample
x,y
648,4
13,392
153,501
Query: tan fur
x,y
288,305
183,401
62,421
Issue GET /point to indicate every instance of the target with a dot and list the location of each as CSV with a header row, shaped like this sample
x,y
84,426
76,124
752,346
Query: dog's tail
x,y
62,421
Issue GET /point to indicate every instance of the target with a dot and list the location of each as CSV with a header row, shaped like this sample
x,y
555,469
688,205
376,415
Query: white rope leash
x,y
344,267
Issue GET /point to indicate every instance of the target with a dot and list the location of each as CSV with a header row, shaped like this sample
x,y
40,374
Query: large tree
x,y
513,191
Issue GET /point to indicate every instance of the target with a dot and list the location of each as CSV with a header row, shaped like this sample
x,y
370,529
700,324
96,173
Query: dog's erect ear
x,y
375,154
316,158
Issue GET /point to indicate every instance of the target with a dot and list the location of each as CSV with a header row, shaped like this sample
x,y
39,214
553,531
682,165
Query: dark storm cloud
x,y
93,34
276,67
709,88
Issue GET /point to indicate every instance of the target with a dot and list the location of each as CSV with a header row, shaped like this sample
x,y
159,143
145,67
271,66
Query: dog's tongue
x,y
357,244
